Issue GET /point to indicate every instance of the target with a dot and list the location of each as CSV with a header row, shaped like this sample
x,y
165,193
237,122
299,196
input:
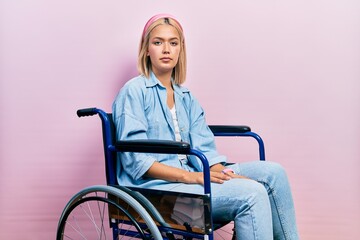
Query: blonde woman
x,y
255,195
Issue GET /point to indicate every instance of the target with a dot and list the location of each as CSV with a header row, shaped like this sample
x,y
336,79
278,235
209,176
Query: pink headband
x,y
157,17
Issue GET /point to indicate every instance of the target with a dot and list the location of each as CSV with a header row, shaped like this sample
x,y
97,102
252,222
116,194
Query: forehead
x,y
164,31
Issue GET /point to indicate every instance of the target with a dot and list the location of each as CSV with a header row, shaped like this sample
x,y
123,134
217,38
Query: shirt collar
x,y
153,81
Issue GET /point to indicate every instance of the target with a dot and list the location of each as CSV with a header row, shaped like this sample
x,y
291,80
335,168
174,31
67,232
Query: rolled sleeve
x,y
136,164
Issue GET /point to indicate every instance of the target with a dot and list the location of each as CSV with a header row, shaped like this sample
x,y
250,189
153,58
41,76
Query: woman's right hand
x,y
198,177
172,174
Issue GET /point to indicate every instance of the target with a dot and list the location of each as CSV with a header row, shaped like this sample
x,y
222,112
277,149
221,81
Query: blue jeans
x,y
261,209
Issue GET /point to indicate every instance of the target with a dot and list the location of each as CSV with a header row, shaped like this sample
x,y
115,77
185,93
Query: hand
x,y
198,177
219,167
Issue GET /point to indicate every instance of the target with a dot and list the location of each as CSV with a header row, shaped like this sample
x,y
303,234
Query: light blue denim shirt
x,y
140,111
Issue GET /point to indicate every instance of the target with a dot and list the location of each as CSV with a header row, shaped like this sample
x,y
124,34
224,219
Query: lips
x,y
165,59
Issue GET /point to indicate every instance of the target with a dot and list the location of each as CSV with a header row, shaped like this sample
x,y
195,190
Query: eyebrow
x,y
160,38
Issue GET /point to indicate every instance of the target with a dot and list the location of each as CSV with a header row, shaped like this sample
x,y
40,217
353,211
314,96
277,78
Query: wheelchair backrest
x,y
109,139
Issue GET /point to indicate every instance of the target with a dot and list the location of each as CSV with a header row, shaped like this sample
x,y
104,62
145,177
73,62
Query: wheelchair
x,y
114,212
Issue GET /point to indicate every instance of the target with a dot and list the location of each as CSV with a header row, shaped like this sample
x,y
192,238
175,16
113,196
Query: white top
x,y
177,130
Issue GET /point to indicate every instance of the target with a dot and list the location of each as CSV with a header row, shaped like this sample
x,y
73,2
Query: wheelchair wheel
x,y
105,212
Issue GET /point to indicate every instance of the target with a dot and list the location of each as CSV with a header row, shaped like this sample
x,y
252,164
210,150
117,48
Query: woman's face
x,y
164,49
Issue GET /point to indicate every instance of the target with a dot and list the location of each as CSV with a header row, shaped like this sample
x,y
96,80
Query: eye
x,y
157,43
174,43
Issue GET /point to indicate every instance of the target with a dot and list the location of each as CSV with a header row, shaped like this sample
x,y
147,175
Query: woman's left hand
x,y
234,175
219,168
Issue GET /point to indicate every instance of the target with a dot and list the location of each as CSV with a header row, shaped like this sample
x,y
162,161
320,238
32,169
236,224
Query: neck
x,y
164,78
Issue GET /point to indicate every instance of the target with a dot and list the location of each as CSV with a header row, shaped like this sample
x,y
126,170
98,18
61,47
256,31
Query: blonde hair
x,y
144,63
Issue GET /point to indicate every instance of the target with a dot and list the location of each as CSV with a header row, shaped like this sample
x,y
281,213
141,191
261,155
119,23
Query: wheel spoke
x,y
76,229
87,216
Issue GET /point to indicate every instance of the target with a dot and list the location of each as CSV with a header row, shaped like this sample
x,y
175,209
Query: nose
x,y
166,49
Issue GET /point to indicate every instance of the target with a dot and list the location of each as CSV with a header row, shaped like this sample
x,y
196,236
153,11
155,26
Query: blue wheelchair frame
x,y
111,147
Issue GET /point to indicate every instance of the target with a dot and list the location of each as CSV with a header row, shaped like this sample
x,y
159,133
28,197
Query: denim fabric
x,y
262,208
273,179
140,112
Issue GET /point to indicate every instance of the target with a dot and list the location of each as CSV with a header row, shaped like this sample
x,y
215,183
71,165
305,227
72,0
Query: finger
x,y
216,180
221,176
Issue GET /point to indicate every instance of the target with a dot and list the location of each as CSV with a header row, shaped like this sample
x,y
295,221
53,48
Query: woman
x,y
154,105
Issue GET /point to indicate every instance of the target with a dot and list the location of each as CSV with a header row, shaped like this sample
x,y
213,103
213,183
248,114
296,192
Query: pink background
x,y
289,69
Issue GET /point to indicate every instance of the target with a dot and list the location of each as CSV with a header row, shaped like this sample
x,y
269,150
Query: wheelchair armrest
x,y
153,146
165,146
238,131
229,129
